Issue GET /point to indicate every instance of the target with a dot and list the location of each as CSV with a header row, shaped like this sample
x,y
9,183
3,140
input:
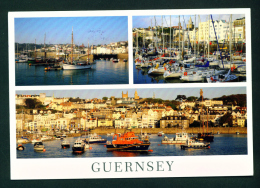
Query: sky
x,y
145,21
96,30
163,93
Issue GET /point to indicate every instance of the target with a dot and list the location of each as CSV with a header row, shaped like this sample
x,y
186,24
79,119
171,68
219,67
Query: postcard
x,y
114,121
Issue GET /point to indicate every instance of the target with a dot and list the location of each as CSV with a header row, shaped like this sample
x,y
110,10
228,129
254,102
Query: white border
x,y
183,166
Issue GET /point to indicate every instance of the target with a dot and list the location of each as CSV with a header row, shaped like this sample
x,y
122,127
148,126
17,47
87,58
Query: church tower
x,y
136,95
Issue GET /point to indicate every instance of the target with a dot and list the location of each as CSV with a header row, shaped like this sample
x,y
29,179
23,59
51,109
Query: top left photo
x,y
71,50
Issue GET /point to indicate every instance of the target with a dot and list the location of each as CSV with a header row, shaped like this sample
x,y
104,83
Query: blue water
x,y
141,77
224,144
103,72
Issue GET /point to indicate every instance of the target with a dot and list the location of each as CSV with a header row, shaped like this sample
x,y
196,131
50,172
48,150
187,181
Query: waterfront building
x,y
105,122
174,121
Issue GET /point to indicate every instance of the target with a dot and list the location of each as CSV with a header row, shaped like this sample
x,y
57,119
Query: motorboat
x,y
65,144
181,138
127,142
38,146
78,147
46,138
160,133
192,144
95,139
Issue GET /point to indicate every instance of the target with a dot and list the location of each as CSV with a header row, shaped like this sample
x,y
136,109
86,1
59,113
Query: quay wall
x,y
222,130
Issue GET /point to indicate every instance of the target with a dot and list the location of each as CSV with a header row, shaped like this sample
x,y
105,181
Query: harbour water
x,y
224,144
103,72
141,77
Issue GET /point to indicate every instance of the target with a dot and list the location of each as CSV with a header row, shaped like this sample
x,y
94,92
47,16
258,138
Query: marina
x,y
36,75
209,52
224,144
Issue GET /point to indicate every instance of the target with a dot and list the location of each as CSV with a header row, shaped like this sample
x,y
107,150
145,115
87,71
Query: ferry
x,y
95,139
192,144
181,138
127,142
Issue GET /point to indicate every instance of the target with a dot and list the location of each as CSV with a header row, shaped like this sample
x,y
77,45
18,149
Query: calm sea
x,y
224,144
103,72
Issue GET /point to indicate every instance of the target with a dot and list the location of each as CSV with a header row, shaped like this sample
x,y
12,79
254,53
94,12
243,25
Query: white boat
x,y
46,138
192,144
65,144
192,77
160,133
38,146
222,78
181,138
22,140
95,139
159,70
77,65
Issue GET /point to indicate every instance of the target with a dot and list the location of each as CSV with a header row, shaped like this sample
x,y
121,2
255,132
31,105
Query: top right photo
x,y
189,48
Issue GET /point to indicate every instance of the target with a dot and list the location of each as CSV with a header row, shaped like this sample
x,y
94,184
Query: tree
x,y
32,103
192,98
227,118
104,98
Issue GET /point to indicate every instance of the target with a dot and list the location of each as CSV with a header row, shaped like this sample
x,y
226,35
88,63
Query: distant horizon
x,y
95,30
163,93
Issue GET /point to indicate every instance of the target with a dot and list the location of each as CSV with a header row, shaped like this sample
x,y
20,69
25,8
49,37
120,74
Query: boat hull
x,y
127,147
65,146
75,67
174,142
206,137
96,141
78,149
204,146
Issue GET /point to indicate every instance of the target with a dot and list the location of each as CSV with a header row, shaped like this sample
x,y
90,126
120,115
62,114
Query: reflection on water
x,y
224,144
103,72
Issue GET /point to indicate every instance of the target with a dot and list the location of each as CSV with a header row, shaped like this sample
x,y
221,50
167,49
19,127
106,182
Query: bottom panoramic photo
x,y
131,122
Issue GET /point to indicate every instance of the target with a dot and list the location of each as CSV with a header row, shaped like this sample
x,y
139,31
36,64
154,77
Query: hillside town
x,y
189,32
65,49
42,113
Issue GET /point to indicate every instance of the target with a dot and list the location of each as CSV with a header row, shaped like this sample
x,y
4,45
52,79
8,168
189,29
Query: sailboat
x,y
76,64
208,136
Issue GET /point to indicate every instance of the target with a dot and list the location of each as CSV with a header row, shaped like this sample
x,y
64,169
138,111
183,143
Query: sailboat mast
x,y
170,34
35,50
162,35
88,51
44,46
195,36
230,37
72,46
208,37
179,33
207,120
183,39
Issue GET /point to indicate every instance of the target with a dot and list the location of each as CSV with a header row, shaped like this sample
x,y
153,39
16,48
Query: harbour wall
x,y
221,130
83,57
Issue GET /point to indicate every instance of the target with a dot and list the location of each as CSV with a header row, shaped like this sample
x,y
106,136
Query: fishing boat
x,y
181,138
95,139
65,144
78,147
127,142
192,144
38,146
